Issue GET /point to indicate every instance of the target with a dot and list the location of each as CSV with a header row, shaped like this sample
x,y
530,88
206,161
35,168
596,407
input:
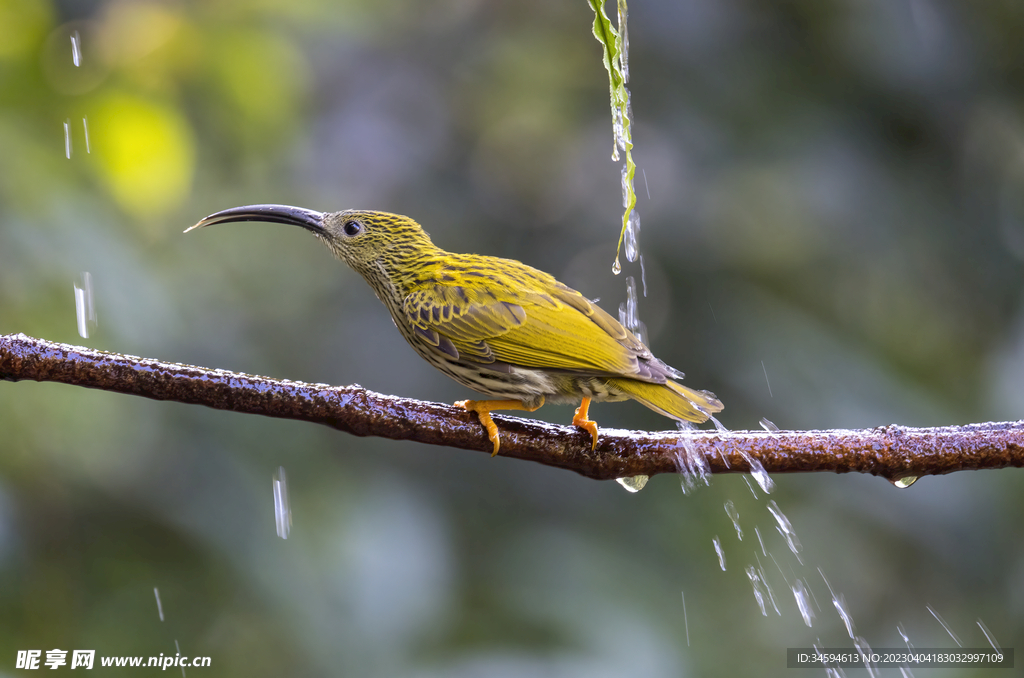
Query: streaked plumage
x,y
498,326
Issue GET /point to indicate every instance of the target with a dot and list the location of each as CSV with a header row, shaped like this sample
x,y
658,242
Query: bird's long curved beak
x,y
310,220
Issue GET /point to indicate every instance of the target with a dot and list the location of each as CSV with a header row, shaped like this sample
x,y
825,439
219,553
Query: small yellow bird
x,y
498,326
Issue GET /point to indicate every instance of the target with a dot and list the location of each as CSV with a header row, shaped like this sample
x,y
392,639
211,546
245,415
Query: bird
x,y
504,329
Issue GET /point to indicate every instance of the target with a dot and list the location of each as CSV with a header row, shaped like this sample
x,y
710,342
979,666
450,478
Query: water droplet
x,y
282,508
785,529
686,623
758,473
767,587
85,309
863,648
944,625
734,516
632,236
721,554
989,636
750,485
643,275
616,266
76,49
766,380
755,582
67,138
905,482
646,186
85,130
159,607
903,634
768,425
633,483
758,533
840,604
802,602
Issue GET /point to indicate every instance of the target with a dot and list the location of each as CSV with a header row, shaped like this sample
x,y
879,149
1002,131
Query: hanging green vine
x,y
616,62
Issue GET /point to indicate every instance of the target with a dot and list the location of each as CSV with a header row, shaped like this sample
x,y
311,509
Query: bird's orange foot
x,y
580,419
483,411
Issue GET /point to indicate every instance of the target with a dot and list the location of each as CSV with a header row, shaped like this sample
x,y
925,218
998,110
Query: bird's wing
x,y
556,328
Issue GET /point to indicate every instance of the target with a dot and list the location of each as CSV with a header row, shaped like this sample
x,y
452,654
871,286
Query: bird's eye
x,y
352,228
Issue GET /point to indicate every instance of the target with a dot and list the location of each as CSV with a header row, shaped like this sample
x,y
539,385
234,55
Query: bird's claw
x,y
581,420
484,413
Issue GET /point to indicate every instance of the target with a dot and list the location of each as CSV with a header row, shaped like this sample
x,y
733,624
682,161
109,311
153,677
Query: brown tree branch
x,y
892,452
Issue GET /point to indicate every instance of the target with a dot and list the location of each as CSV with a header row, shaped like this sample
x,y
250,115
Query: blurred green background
x,y
830,192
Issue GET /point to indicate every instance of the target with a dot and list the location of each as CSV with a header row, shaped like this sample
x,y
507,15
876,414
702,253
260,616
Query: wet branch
x,y
891,452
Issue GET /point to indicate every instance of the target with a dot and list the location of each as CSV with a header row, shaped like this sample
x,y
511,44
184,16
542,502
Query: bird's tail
x,y
671,399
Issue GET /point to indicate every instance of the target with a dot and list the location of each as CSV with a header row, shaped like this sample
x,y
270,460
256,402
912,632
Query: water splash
x,y
85,309
643,275
944,625
159,606
785,528
718,549
692,466
720,427
625,187
631,240
633,483
734,516
755,582
767,585
768,425
802,602
629,314
830,672
758,472
621,138
282,508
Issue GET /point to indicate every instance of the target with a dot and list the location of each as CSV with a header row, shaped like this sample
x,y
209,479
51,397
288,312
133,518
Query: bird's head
x,y
357,237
